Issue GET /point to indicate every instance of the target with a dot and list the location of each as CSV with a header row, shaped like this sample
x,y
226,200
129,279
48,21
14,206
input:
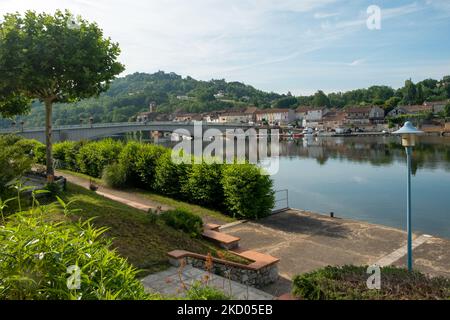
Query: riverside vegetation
x,y
111,244
240,190
349,282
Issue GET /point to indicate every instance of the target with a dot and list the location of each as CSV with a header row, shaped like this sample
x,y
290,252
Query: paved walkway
x,y
305,241
170,282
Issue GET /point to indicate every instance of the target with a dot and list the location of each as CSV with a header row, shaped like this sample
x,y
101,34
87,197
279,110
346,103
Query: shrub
x,y
183,220
349,282
200,291
13,162
66,152
127,159
146,163
94,156
53,188
204,185
170,177
37,256
115,175
248,193
32,147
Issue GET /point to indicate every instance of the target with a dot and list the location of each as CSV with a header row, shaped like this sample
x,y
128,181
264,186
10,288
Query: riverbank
x,y
305,241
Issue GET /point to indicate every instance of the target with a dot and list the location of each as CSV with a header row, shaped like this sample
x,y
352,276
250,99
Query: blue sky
x,y
275,45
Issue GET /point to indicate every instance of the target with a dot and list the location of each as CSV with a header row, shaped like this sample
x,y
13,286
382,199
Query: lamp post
x,y
408,133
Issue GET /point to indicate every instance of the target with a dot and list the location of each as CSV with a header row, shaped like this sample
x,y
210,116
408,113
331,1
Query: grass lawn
x,y
214,215
143,242
201,211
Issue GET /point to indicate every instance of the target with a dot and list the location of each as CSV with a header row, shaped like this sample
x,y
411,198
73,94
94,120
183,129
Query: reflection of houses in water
x,y
430,152
375,150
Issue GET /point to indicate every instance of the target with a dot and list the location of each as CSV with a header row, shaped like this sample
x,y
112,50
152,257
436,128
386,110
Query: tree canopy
x,y
52,58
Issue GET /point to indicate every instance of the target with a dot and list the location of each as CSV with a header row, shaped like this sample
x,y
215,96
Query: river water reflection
x,y
364,178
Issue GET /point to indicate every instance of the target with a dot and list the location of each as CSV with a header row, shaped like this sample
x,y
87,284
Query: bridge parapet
x,y
92,131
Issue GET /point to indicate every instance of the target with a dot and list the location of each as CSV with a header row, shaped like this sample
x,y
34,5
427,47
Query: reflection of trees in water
x,y
430,152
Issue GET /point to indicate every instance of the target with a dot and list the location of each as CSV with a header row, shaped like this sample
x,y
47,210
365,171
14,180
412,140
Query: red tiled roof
x,y
358,110
264,111
417,108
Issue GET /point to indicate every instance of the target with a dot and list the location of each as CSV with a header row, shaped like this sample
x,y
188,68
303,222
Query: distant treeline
x,y
132,94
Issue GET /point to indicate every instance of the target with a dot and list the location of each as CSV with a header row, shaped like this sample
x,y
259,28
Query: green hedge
x,y
204,185
33,147
16,159
350,283
238,189
248,193
93,157
139,161
170,178
66,153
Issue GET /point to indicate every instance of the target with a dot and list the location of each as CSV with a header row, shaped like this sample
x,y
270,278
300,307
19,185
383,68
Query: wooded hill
x,y
132,94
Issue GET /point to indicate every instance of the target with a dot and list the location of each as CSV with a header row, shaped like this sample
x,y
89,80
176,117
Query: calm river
x,y
364,178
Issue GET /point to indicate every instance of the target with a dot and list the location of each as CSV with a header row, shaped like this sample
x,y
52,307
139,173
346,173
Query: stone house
x,y
275,116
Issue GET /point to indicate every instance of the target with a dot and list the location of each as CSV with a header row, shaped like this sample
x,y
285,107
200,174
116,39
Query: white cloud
x,y
324,15
356,62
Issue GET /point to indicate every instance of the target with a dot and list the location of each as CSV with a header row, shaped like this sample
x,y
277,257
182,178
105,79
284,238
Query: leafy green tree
x,y
391,103
409,93
447,110
420,98
52,58
286,102
320,99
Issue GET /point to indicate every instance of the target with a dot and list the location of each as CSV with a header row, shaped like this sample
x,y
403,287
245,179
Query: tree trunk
x,y
48,140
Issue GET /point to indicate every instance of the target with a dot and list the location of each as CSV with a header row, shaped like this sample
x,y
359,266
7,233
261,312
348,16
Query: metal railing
x,y
281,204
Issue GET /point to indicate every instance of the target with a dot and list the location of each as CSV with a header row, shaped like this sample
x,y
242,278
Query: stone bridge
x,y
102,130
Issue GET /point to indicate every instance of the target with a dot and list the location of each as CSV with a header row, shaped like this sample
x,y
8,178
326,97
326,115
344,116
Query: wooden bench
x,y
212,226
224,240
260,259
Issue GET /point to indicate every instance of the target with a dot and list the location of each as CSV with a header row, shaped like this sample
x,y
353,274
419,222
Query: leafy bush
x,y
13,162
170,177
66,152
248,193
146,163
53,188
94,156
183,220
200,291
204,185
128,158
239,189
349,282
115,175
32,147
38,254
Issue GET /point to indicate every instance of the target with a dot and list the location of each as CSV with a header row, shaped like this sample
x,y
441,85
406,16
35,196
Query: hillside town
x,y
359,118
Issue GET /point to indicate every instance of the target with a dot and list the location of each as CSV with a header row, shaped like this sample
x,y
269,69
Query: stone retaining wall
x,y
255,277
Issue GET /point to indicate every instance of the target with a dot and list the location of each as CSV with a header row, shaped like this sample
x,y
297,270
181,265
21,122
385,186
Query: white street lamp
x,y
408,133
